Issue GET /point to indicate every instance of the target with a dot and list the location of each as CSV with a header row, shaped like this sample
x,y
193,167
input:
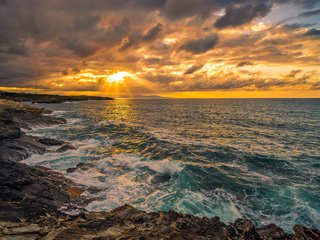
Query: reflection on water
x,y
257,159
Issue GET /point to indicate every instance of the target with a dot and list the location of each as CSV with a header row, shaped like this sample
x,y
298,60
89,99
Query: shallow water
x,y
256,159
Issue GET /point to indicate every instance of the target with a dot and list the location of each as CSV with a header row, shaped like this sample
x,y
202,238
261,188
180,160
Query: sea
x,y
233,158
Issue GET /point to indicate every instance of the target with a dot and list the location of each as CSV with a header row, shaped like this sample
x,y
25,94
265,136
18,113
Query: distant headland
x,y
46,98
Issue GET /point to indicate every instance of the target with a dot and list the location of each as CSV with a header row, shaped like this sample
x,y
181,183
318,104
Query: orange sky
x,y
172,48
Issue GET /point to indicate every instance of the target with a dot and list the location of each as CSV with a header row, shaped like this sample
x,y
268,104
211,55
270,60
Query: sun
x,y
118,77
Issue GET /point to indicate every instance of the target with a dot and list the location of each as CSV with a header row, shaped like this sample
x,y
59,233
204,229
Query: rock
x,y
245,227
66,147
8,130
303,233
272,232
81,166
14,144
71,170
27,192
50,142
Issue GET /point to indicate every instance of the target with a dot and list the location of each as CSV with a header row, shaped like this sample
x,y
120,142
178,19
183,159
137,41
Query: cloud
x,y
152,33
193,69
298,25
244,63
226,80
47,43
178,9
239,15
200,45
310,13
312,33
135,38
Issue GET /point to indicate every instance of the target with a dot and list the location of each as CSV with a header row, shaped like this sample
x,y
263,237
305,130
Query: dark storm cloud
x,y
136,37
193,69
39,39
312,33
152,33
177,9
245,63
239,15
200,45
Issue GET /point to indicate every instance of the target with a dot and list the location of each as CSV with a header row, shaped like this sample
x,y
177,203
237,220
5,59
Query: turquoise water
x,y
256,159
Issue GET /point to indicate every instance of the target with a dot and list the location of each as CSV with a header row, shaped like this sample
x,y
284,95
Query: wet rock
x,y
8,130
303,233
71,170
14,144
245,227
81,166
272,232
20,148
27,191
66,147
50,142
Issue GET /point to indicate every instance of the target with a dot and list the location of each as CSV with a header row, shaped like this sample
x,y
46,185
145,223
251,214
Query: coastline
x,y
46,98
39,203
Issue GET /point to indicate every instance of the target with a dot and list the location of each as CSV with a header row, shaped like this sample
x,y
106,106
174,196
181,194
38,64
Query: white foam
x,y
52,159
55,113
70,102
71,121
161,166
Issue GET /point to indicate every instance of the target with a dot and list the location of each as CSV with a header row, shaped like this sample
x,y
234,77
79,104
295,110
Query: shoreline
x,y
40,203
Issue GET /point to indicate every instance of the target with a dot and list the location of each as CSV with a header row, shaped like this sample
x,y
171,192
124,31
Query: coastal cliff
x,y
38,203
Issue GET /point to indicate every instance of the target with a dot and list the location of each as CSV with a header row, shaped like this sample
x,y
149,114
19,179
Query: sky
x,y
168,48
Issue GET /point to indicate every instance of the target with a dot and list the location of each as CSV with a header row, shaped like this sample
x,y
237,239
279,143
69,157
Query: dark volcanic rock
x,y
8,129
129,223
272,232
14,144
303,233
20,148
66,147
50,142
28,192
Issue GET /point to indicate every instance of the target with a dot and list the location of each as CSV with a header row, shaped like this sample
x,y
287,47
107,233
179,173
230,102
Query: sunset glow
x,y
118,77
177,49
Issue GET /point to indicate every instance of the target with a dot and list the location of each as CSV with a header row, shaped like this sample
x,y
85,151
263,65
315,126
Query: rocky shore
x,y
46,98
38,203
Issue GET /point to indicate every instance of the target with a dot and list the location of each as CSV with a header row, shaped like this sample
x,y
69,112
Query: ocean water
x,y
251,158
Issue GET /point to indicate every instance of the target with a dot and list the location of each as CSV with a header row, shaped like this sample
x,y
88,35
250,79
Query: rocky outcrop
x,y
37,203
15,145
29,192
129,223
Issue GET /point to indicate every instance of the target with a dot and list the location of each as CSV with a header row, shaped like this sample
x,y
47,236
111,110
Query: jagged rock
x,y
14,144
303,233
27,191
272,232
66,147
50,142
81,166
